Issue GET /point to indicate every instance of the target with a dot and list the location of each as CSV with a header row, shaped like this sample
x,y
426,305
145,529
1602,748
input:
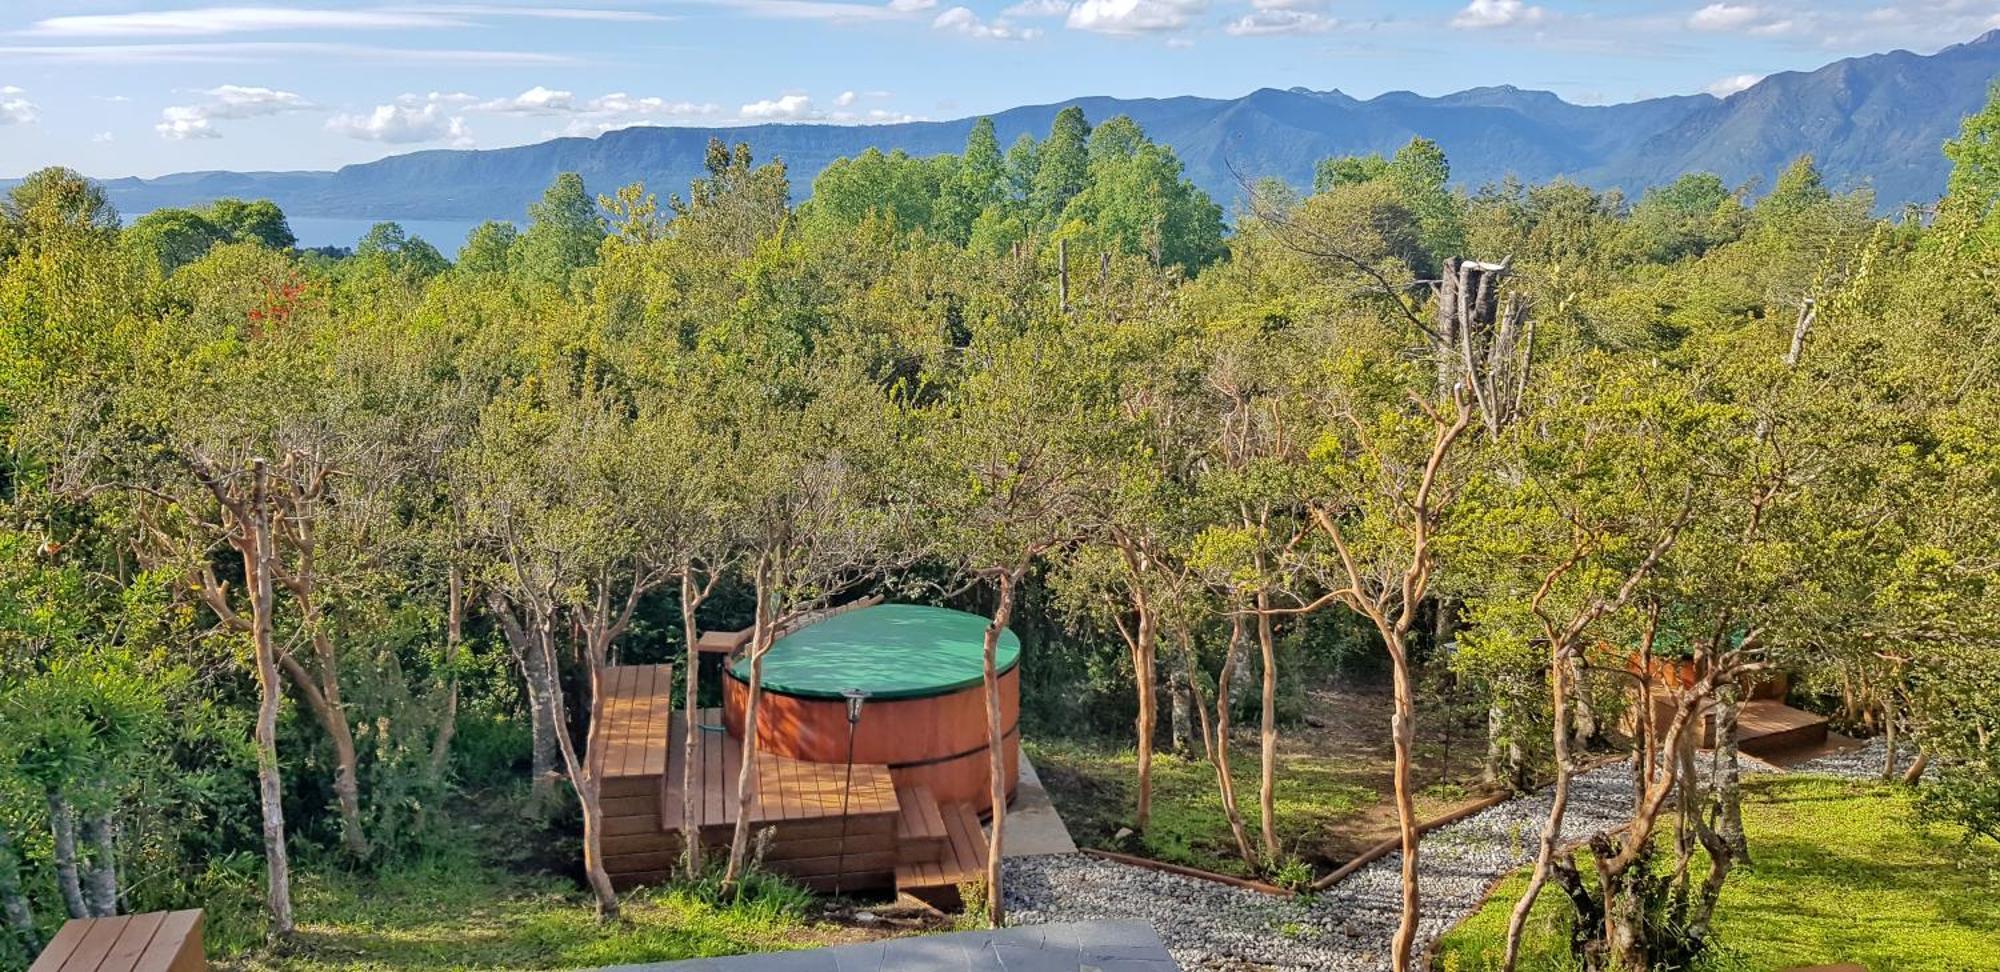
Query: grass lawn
x,y
483,897
1842,874
1332,793
460,916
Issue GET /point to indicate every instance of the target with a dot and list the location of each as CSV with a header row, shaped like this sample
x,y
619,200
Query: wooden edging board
x,y
1147,862
1383,849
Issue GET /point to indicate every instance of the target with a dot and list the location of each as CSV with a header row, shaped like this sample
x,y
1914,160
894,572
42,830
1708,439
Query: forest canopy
x,y
296,548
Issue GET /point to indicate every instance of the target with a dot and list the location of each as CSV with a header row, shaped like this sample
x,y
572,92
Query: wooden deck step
x,y
920,830
1767,726
936,883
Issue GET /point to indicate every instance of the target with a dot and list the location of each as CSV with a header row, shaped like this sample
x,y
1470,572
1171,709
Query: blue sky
x,y
122,88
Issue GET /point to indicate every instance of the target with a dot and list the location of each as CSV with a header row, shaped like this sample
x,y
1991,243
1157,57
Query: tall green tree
x,y
564,230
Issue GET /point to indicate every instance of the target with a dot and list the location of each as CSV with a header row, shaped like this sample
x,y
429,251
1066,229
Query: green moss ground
x,y
1842,874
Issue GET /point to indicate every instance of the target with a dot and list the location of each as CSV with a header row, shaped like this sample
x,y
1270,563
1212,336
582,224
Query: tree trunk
x,y
1729,773
746,778
1404,732
322,697
98,833
1915,773
1180,726
258,563
454,637
1216,744
1267,773
13,901
582,772
1003,611
542,727
62,830
1889,734
1144,651
690,829
1545,850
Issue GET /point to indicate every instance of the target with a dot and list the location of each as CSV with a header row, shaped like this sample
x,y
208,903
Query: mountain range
x,y
1876,121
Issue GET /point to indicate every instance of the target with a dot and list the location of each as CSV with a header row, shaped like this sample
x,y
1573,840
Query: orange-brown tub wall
x,y
938,741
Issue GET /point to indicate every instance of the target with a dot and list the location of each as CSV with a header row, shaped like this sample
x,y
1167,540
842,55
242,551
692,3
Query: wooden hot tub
x,y
925,716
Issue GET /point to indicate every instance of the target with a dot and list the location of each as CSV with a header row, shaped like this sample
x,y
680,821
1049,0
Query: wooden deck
x,y
889,837
159,941
1766,727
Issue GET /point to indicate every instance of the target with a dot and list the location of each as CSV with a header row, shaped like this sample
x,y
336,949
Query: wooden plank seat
x,y
157,941
920,830
936,883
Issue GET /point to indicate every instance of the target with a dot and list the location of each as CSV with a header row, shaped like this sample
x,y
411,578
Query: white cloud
x,y
104,137
1281,20
15,108
1725,16
403,124
210,21
205,21
791,107
961,20
543,13
620,110
1480,14
228,102
834,11
1724,87
263,51
1133,16
534,101
1037,8
846,98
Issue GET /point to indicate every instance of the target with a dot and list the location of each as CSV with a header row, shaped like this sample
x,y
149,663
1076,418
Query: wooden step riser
x,y
919,850
1778,742
881,880
880,828
801,868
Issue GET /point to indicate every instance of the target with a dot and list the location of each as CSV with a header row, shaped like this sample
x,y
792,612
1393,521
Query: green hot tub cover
x,y
892,651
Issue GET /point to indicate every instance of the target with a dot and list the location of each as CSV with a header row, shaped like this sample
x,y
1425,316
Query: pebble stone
x,y
1348,928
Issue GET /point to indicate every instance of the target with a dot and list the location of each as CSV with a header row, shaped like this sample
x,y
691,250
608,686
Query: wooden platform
x,y
827,830
158,941
799,802
1766,726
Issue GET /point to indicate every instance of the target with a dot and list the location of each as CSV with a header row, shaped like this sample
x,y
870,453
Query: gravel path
x,y
1215,926
1864,763
1210,926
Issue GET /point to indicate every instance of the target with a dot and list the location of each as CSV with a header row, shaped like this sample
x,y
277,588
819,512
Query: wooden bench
x,y
158,941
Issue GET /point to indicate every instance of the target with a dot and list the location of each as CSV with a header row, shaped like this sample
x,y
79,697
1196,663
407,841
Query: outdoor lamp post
x,y
855,697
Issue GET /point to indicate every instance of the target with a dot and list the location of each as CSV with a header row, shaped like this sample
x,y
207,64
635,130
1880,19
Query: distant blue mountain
x,y
1876,120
